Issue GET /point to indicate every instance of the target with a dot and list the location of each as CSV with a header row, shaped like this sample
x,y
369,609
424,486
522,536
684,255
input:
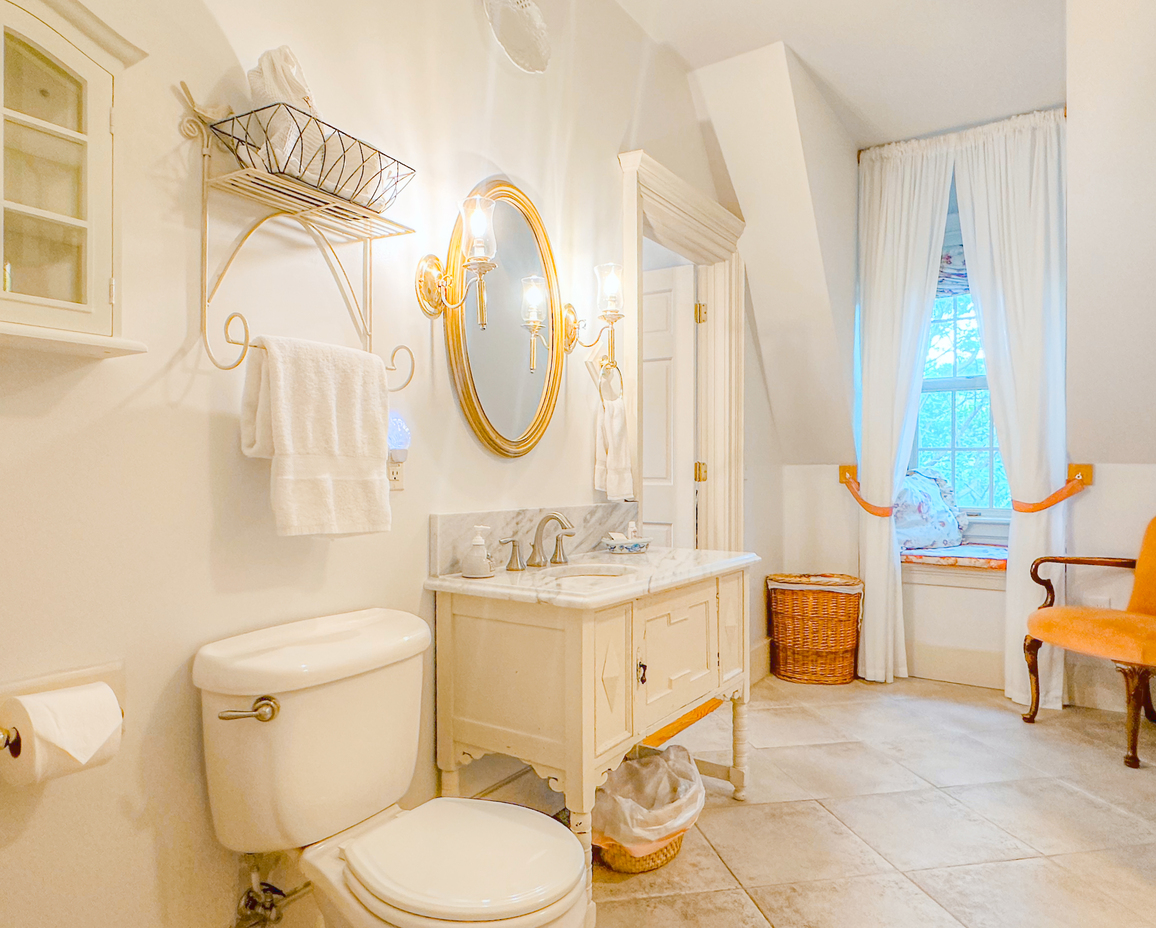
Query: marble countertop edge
x,y
659,569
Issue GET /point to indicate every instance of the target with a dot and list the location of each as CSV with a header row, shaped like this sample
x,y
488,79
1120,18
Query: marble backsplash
x,y
450,534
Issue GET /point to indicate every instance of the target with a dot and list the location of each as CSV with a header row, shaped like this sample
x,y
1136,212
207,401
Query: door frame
x,y
665,208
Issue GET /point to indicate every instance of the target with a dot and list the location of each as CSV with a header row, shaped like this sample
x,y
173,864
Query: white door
x,y
668,406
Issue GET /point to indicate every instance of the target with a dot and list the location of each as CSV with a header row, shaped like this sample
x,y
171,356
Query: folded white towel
x,y
612,451
321,413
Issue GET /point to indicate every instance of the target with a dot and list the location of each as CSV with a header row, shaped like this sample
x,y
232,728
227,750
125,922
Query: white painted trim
x,y
72,13
63,341
760,660
673,213
968,578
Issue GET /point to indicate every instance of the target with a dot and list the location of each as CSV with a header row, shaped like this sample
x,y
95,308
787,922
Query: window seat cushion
x,y
985,557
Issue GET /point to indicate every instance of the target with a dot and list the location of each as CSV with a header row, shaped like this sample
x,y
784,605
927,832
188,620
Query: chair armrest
x,y
1050,598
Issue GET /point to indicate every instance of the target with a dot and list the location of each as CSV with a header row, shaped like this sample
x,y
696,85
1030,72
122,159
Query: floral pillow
x,y
926,515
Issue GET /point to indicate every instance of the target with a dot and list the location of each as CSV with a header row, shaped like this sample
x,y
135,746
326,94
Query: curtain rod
x,y
859,153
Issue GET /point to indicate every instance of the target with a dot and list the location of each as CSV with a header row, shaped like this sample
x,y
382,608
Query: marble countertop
x,y
651,572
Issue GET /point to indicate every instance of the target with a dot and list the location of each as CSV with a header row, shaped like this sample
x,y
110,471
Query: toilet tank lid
x,y
309,653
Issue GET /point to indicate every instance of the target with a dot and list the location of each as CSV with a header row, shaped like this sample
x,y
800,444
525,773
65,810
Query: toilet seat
x,y
466,860
567,912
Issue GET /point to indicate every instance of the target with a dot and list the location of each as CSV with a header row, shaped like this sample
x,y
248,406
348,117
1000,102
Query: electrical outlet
x,y
396,476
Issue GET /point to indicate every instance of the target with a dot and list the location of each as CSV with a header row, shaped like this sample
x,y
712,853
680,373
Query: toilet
x,y
318,746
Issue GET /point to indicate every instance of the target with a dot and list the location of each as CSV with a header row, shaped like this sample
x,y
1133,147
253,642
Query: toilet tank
x,y
343,743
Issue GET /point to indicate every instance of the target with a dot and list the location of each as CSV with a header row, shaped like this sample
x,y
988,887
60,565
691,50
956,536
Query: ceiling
x,y
892,69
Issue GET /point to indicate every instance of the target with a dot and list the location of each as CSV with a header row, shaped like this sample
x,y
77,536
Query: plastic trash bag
x,y
647,803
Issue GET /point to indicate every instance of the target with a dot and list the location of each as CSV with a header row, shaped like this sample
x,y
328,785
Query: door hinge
x,y
700,471
112,290
700,312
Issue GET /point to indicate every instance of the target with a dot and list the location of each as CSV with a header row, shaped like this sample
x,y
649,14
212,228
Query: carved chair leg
x,y
1135,688
1149,711
1031,655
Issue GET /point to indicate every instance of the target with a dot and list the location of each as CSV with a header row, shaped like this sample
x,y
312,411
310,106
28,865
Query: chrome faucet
x,y
537,558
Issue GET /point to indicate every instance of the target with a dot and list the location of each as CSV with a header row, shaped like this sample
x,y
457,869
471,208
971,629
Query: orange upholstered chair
x,y
1126,637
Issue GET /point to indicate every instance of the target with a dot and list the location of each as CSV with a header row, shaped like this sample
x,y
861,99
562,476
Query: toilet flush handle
x,y
265,709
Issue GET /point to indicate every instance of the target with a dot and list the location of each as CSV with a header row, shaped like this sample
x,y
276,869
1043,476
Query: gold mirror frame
x,y
456,321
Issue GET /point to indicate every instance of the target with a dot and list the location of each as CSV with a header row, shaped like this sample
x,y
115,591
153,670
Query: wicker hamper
x,y
814,626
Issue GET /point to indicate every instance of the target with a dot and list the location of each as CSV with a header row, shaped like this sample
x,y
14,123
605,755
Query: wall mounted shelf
x,y
329,219
63,341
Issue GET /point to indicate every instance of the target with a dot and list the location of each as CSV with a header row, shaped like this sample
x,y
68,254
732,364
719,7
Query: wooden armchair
x,y
1128,638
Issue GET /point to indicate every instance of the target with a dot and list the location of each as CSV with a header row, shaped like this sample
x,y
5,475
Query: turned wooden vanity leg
x,y
740,757
580,823
451,784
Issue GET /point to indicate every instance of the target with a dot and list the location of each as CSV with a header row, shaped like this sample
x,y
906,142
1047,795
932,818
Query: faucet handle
x,y
559,551
516,562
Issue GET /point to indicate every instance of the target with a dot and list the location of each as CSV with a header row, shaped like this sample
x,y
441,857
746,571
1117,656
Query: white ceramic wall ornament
x,y
520,30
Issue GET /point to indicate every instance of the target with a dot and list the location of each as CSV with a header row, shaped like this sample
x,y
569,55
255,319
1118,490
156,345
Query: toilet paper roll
x,y
61,732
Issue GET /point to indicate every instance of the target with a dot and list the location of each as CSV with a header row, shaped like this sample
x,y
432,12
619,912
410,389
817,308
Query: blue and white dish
x,y
626,545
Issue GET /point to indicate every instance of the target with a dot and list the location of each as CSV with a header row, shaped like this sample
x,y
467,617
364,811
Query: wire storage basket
x,y
814,626
281,139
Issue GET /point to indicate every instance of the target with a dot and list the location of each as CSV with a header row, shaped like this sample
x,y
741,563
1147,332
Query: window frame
x,y
986,524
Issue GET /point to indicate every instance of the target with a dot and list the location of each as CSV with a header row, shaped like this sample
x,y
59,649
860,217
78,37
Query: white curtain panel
x,y
903,196
1010,187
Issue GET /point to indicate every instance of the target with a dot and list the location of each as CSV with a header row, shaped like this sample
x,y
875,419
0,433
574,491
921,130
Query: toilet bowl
x,y
447,863
319,770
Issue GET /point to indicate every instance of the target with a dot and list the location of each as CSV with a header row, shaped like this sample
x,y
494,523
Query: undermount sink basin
x,y
587,571
587,574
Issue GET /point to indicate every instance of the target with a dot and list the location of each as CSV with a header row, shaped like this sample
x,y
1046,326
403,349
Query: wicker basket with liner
x,y
645,808
814,626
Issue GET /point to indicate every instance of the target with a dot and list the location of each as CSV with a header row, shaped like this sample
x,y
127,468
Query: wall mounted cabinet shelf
x,y
60,231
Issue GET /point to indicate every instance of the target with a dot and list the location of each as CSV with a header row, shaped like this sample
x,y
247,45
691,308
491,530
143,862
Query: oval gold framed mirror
x,y
508,405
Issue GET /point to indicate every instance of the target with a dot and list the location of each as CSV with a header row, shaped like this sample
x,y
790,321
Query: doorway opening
x,y
669,397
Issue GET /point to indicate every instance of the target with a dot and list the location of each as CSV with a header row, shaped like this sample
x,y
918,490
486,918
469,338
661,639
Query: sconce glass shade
x,y
534,302
609,288
478,241
398,438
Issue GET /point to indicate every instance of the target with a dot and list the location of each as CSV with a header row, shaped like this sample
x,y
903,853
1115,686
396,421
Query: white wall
x,y
1111,230
1111,327
793,169
133,527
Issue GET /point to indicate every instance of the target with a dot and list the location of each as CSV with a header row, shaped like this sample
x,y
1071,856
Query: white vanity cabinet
x,y
570,683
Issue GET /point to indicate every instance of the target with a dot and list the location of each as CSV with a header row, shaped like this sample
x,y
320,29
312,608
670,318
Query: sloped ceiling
x,y
891,69
793,169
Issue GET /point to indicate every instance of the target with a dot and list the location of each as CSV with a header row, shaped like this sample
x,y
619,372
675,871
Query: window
x,y
57,226
955,438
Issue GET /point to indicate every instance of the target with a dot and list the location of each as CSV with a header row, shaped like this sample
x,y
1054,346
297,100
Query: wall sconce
x,y
534,313
479,246
610,304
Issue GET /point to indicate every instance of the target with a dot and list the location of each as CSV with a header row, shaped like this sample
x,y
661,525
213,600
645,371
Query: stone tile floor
x,y
913,804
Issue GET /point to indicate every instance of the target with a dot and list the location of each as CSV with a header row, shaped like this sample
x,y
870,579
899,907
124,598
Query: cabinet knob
x,y
641,672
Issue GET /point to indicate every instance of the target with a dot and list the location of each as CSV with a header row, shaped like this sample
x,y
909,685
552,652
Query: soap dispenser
x,y
477,564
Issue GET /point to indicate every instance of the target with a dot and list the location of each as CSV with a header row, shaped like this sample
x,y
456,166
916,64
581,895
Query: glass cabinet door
x,y
57,180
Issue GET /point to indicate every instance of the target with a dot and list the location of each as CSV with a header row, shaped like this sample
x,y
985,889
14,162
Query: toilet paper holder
x,y
10,738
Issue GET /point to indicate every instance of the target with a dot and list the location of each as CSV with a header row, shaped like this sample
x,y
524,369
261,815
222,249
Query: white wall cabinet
x,y
570,691
57,225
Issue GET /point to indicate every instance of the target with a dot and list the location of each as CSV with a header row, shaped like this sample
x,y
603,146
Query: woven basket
x,y
814,626
616,858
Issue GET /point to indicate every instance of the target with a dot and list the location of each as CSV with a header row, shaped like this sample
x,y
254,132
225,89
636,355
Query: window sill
x,y
969,578
61,341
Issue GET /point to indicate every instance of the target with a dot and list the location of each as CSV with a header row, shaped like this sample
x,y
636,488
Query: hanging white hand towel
x,y
612,451
321,413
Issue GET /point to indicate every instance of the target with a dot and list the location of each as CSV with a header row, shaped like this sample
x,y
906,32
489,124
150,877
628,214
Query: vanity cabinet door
x,y
676,639
732,635
612,678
